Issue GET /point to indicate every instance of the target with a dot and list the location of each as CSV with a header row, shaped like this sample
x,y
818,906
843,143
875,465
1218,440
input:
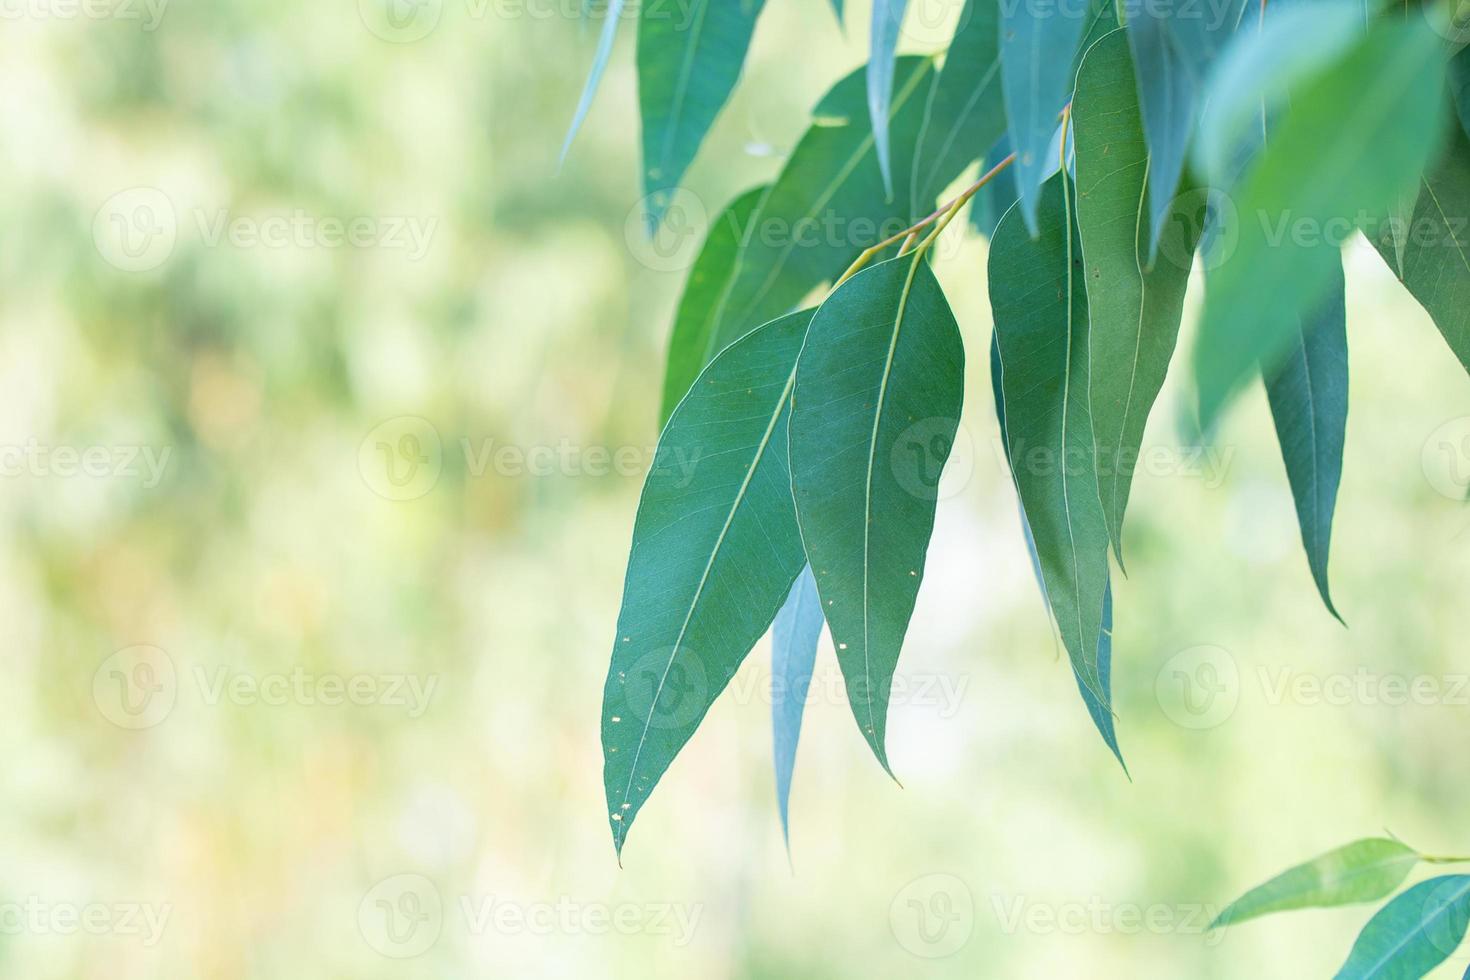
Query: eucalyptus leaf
x,y
694,341
689,59
995,198
794,637
883,39
1041,325
609,34
1134,310
1460,87
1308,393
876,406
715,550
1355,136
1412,934
1363,871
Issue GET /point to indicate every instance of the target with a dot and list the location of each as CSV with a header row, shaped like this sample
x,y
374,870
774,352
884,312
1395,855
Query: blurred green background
x,y
324,404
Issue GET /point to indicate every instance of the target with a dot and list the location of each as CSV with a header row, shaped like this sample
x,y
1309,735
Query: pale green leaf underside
x,y
1362,871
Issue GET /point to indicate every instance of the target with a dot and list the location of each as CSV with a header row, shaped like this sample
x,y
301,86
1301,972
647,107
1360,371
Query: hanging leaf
x,y
1308,392
828,204
693,342
995,198
1362,871
1355,137
1436,259
1134,310
887,20
794,637
1174,46
965,114
715,550
876,406
1460,87
1041,317
614,16
689,59
1098,705
1038,44
837,9
1412,934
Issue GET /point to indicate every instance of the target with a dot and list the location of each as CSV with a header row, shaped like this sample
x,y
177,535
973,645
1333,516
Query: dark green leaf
x,y
887,20
877,403
1436,257
1412,934
1362,871
613,16
1174,47
1460,87
715,550
1041,317
1308,392
689,59
1134,310
1354,138
693,342
794,637
965,114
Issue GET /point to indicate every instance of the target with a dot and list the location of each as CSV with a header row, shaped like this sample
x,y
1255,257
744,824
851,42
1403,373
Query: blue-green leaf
x,y
1174,47
695,337
794,637
594,76
1041,318
881,378
1308,392
887,20
1355,137
1412,934
689,59
715,550
1037,48
995,198
1363,871
1460,87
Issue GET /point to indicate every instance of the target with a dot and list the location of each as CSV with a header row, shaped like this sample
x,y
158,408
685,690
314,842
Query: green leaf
x,y
614,16
1308,392
689,59
837,9
1436,263
965,114
878,390
1037,48
1134,310
715,550
883,38
794,637
828,204
1362,871
1412,934
1355,137
1174,46
1041,318
992,200
693,343
1460,87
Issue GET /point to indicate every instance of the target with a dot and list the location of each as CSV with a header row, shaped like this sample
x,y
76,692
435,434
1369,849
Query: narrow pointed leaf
x,y
614,16
1363,871
837,9
1041,316
965,115
1308,392
1412,934
995,198
715,550
887,20
794,637
1134,310
877,403
1174,47
1037,48
689,59
1355,137
1098,705
1436,262
693,342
